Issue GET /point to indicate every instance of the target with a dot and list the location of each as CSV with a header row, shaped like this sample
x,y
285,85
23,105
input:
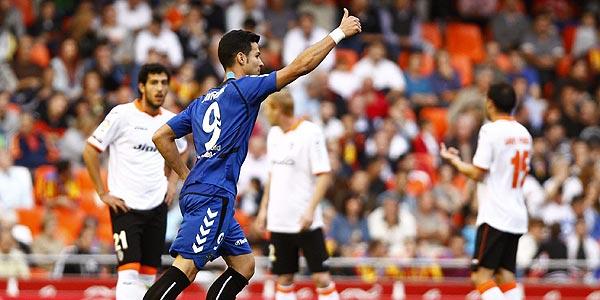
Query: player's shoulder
x,y
122,110
274,131
250,78
310,126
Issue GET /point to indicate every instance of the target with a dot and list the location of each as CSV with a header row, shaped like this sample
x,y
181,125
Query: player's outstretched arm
x,y
469,170
310,58
164,139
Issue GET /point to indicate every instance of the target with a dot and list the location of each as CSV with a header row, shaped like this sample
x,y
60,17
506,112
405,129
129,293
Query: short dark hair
x,y
504,97
234,42
152,69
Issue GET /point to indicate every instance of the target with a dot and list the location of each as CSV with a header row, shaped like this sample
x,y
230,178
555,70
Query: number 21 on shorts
x,y
519,162
120,243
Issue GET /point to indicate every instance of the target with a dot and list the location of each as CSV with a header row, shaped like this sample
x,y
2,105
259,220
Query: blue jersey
x,y
221,122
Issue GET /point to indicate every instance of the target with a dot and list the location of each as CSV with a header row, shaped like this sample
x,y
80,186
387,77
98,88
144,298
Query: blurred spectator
x,y
71,144
53,116
115,36
255,165
301,37
27,72
543,47
11,17
385,73
445,80
9,120
68,69
160,39
16,189
434,227
81,28
332,126
240,11
350,229
401,26
48,242
552,248
581,246
47,23
352,144
372,101
586,35
133,15
87,243
113,74
477,11
13,260
370,20
520,68
449,197
193,34
392,224
419,88
342,80
529,243
425,141
473,97
29,147
214,16
464,135
279,18
210,66
184,84
57,187
324,11
509,26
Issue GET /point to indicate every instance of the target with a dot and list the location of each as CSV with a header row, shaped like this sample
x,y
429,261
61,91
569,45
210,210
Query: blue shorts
x,y
208,229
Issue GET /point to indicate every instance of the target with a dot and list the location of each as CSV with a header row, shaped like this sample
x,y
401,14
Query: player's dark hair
x,y
152,69
503,96
234,42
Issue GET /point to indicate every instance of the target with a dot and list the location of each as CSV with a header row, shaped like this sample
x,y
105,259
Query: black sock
x,y
227,286
169,286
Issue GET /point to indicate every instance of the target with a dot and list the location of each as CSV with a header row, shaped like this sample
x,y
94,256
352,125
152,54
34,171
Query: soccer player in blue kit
x,y
221,122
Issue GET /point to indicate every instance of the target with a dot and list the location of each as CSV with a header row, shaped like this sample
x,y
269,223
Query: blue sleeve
x,y
181,124
255,88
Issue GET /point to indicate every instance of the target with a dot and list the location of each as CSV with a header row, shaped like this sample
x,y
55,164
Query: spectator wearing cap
x,y
159,39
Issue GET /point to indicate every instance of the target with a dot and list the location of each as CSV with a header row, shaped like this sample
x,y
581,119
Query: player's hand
x,y
350,25
115,203
306,220
261,221
171,191
449,154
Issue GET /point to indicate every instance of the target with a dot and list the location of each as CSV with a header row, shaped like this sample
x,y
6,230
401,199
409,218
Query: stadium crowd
x,y
416,76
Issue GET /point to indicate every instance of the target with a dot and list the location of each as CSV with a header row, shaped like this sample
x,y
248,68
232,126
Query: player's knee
x,y
244,265
186,266
504,276
322,279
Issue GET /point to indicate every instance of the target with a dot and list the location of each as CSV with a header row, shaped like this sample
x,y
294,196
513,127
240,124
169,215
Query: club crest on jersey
x,y
205,229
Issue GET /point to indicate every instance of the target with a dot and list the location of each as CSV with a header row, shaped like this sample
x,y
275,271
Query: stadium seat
x,y
465,39
438,116
568,35
32,218
464,66
431,33
69,223
350,56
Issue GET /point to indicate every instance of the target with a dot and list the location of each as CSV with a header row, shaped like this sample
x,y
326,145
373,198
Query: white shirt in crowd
x,y
394,236
133,18
136,170
16,190
590,248
295,42
166,42
385,73
295,157
503,149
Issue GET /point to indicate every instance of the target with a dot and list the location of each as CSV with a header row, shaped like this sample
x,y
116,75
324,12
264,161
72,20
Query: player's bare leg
x,y
285,287
325,286
508,284
483,279
234,279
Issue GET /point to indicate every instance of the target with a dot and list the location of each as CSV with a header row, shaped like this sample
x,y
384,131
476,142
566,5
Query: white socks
x,y
512,291
129,286
285,292
328,293
490,291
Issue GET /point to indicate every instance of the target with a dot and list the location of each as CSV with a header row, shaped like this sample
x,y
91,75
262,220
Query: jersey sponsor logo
x,y
144,147
213,95
286,162
140,128
241,242
205,229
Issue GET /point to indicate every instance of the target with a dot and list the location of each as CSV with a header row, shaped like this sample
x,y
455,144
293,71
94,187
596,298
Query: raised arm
x,y
310,58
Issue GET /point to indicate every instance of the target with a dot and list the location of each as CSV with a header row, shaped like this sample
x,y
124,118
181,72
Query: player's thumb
x,y
345,14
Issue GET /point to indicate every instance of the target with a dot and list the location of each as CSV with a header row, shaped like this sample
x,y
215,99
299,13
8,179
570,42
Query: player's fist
x,y
449,154
350,25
